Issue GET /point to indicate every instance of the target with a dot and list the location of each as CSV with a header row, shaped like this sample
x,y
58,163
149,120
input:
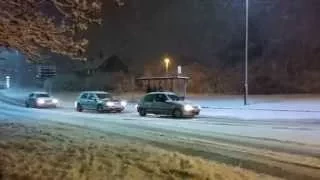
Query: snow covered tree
x,y
38,26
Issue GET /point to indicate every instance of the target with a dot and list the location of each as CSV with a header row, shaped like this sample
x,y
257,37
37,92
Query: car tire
x,y
100,108
27,105
142,112
177,113
79,108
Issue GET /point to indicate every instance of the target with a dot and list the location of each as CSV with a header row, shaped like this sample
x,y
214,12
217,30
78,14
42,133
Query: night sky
x,y
209,31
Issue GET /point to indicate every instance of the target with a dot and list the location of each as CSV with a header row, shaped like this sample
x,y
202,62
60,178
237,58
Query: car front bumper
x,y
113,108
191,113
47,105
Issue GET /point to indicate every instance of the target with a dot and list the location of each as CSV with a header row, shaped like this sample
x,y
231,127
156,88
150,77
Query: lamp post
x,y
166,63
246,54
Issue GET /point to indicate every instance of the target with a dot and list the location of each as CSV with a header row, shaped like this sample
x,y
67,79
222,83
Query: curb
x,y
12,101
258,109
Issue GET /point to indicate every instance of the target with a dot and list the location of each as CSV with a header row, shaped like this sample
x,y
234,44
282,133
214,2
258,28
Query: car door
x,y
83,100
160,104
147,103
29,99
92,101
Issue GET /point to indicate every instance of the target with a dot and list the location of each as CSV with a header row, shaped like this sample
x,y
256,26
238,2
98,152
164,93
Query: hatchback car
x,y
100,101
166,103
41,100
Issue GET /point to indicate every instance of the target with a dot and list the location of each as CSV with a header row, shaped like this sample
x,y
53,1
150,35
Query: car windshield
x,y
43,95
104,96
174,97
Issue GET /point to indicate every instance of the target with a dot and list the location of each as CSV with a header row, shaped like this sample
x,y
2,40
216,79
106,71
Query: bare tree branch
x,y
34,26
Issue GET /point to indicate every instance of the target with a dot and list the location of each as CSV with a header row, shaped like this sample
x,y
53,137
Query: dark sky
x,y
147,30
210,31
206,30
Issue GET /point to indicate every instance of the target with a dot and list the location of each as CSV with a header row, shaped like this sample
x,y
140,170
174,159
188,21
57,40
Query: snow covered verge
x,y
59,151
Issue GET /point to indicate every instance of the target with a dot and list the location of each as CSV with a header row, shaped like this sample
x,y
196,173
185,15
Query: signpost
x,y
7,82
46,73
179,70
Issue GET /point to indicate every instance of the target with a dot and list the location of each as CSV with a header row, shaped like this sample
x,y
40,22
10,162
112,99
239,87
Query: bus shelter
x,y
176,84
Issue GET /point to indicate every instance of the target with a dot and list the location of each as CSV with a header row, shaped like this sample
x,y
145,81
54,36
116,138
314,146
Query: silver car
x,y
100,101
166,103
41,100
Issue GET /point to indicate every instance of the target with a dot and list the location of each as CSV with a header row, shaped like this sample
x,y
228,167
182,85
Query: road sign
x,y
46,71
179,70
7,82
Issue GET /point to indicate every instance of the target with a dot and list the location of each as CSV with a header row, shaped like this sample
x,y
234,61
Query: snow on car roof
x,y
163,92
95,92
39,92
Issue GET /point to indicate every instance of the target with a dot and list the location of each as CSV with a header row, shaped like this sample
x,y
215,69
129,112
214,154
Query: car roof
x,y
166,92
95,92
39,92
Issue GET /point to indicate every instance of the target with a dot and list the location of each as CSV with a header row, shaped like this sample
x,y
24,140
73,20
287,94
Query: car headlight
x,y
40,101
188,107
110,103
123,103
55,101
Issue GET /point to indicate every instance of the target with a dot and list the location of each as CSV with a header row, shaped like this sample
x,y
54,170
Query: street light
x,y
246,55
167,62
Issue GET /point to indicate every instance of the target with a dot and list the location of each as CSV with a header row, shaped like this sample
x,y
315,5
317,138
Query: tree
x,y
36,26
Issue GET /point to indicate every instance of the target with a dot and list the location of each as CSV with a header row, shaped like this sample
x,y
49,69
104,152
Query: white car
x,y
167,103
41,100
100,101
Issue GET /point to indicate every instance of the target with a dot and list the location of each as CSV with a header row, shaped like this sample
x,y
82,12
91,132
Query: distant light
x,y
55,101
110,103
7,82
40,101
123,103
119,3
167,60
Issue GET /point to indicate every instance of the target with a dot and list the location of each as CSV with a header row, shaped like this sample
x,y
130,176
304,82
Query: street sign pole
x,y
46,73
246,55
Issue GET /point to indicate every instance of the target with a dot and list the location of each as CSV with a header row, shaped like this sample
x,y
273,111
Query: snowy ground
x,y
285,140
56,151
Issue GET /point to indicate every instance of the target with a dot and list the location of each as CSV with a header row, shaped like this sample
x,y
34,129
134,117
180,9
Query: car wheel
x,y
100,109
142,112
27,105
79,108
177,113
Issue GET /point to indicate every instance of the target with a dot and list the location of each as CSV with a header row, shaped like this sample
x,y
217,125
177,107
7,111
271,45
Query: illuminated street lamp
x,y
166,63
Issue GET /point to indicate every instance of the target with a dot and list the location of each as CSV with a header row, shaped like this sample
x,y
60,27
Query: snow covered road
x,y
282,147
262,145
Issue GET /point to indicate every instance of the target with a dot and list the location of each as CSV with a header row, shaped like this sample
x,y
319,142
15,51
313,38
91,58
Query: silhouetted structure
x,y
177,84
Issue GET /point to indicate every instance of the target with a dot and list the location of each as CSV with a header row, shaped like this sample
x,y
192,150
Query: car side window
x,y
84,96
91,97
149,98
160,98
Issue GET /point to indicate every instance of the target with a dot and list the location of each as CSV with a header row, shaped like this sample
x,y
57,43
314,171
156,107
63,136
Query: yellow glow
x,y
167,60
